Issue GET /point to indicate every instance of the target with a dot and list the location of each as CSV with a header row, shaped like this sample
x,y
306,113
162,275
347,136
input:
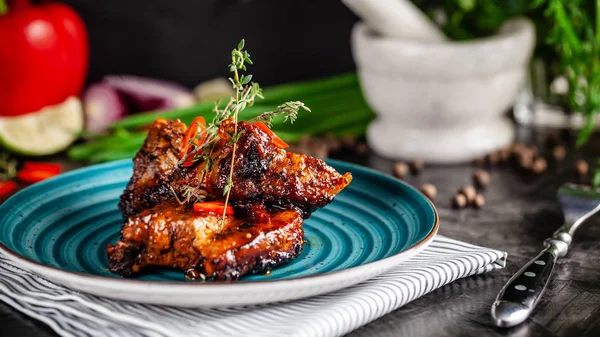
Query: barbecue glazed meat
x,y
153,167
265,177
170,235
273,192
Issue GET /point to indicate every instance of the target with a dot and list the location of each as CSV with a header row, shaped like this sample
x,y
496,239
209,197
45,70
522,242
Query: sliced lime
x,y
48,131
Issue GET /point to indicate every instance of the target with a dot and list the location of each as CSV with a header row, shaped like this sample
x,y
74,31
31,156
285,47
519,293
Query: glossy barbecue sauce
x,y
273,191
241,242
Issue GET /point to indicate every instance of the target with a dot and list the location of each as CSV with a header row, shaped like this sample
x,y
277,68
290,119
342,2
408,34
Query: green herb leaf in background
x,y
575,34
469,19
466,5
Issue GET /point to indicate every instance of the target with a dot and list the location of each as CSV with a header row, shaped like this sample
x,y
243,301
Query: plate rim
x,y
176,286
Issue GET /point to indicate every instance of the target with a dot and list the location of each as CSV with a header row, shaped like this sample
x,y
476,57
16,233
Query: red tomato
x,y
43,56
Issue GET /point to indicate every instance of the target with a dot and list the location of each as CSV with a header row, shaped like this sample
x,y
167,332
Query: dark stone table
x,y
521,211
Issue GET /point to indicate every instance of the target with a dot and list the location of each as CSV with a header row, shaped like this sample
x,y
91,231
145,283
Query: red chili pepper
x,y
36,166
276,140
34,176
212,207
7,187
197,126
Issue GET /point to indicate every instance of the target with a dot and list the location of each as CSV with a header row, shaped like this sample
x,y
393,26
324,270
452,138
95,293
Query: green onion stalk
x,y
337,106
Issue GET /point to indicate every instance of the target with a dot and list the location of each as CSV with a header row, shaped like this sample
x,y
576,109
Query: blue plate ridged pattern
x,y
59,229
67,222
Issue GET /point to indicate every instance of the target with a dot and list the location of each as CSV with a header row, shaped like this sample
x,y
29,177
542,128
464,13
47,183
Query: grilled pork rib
x,y
273,192
170,235
265,177
153,167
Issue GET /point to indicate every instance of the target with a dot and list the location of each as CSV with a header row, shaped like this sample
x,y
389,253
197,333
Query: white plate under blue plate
x,y
59,229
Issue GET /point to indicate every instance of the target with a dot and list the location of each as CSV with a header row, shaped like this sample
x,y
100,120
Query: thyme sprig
x,y
246,93
190,194
244,96
289,110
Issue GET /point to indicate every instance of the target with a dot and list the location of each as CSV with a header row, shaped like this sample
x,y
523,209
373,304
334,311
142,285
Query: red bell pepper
x,y
43,56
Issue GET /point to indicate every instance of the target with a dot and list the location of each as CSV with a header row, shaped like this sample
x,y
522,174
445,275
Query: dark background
x,y
189,41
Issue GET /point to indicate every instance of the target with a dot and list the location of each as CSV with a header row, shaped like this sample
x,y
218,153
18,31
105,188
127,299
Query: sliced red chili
x,y
212,207
7,187
34,176
38,166
274,138
195,134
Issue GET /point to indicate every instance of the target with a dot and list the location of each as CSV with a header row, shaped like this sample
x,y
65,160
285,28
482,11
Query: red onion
x,y
102,107
148,94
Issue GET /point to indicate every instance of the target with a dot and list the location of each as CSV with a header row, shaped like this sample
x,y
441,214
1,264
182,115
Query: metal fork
x,y
518,297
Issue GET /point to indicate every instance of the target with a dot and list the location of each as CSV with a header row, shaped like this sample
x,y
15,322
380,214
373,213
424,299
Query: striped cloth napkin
x,y
70,313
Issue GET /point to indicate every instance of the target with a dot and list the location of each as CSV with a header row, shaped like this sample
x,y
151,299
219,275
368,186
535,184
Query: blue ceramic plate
x,y
60,228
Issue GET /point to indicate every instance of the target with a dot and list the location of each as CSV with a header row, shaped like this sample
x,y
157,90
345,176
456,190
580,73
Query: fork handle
x,y
518,297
